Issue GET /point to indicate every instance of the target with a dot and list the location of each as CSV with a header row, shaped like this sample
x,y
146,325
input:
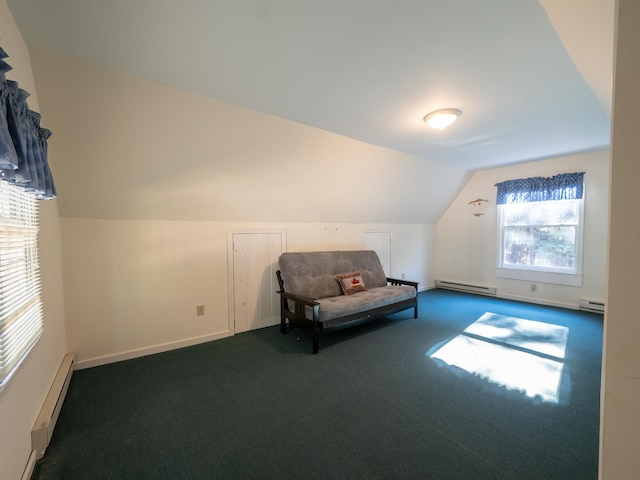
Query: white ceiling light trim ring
x,y
441,119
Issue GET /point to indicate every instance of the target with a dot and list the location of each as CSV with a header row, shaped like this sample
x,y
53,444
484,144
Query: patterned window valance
x,y
23,142
566,186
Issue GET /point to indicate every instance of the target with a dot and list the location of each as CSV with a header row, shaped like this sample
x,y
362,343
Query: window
x,y
540,229
21,317
541,235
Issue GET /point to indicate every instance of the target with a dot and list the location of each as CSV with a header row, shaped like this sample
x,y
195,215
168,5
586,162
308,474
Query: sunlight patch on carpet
x,y
515,353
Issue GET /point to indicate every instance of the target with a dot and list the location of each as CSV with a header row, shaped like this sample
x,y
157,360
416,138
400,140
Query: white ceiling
x,y
532,78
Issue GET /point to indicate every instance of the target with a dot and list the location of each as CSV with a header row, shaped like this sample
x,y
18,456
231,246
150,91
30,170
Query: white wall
x,y
23,398
132,286
467,245
620,426
151,179
132,149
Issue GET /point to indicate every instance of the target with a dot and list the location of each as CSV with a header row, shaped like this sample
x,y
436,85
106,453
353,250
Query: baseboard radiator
x,y
466,287
591,305
46,421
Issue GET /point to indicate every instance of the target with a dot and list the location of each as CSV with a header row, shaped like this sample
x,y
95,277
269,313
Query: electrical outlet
x,y
534,287
403,276
199,310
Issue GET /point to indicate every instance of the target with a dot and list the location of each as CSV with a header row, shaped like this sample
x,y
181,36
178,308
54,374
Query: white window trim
x,y
541,274
21,312
571,279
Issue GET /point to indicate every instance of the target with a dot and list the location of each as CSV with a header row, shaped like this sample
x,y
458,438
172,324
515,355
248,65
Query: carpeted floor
x,y
373,404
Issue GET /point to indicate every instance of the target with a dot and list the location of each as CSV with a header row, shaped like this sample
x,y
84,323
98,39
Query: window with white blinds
x,y
21,317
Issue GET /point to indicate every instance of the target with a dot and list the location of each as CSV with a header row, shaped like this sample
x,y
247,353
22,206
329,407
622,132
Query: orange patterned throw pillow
x,y
351,282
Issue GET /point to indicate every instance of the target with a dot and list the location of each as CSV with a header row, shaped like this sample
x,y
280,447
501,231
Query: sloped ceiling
x,y
533,79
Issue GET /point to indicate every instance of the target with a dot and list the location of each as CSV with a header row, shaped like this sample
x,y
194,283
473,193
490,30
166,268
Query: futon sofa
x,y
322,290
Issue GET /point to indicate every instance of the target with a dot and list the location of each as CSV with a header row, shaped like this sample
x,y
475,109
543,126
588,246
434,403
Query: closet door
x,y
380,242
255,262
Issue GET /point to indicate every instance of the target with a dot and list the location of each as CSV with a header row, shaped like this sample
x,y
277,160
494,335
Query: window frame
x,y
21,309
559,276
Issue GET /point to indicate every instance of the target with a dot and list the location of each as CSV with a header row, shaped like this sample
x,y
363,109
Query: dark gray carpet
x,y
371,405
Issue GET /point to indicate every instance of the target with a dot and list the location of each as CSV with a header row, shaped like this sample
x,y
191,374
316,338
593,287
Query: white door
x,y
380,242
255,261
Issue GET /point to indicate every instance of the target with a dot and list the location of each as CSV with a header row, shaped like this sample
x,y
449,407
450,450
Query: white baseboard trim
x,y
538,301
31,463
427,287
141,352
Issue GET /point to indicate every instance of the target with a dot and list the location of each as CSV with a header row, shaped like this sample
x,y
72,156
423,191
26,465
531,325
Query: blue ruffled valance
x,y
566,186
23,142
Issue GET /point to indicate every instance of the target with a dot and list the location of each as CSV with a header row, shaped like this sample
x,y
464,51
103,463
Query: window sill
x,y
571,279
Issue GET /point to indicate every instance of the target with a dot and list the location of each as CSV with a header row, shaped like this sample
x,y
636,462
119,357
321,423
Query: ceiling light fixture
x,y
441,119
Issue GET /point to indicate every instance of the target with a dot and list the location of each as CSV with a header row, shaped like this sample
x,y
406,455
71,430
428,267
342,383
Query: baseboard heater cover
x,y
466,287
591,305
46,421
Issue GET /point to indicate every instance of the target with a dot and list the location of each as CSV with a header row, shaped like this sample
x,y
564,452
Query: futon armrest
x,y
299,299
299,310
397,281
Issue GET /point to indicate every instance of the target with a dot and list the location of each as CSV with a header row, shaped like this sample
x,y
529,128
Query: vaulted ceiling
x,y
532,78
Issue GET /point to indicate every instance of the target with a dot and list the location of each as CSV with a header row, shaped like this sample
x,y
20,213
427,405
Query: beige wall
x,y
620,428
23,397
467,245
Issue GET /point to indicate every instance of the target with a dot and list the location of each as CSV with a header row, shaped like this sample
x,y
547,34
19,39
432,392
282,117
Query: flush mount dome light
x,y
441,119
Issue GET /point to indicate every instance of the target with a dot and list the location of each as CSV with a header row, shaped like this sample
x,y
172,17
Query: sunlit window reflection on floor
x,y
518,354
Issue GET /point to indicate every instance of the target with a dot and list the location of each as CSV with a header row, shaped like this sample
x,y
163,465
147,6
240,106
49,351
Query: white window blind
x,y
21,317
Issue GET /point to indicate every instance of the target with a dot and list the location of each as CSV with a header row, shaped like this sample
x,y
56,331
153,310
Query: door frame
x,y
230,266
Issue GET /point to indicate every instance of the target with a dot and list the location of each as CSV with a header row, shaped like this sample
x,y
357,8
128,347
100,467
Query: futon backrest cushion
x,y
313,274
